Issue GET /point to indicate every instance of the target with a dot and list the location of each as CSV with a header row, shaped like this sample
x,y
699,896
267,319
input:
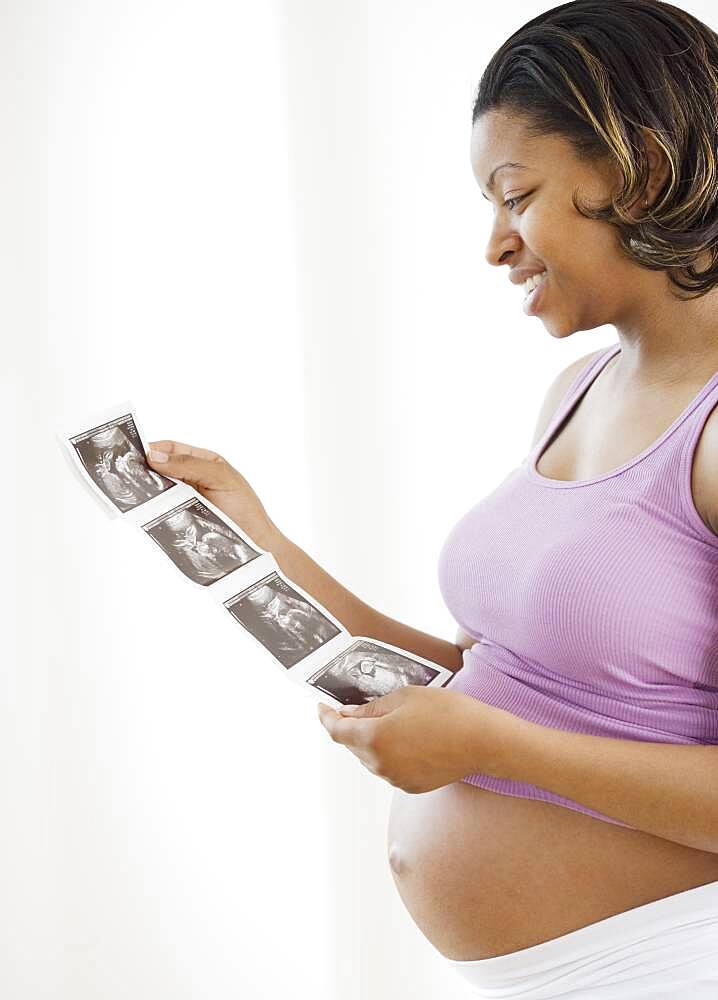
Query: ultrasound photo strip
x,y
305,641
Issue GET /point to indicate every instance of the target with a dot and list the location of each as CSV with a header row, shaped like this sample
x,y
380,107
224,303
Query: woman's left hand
x,y
421,738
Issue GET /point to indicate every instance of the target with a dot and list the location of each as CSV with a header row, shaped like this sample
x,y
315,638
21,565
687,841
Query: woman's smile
x,y
534,300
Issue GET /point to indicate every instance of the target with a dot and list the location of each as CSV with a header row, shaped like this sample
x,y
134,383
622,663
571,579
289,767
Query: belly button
x,y
395,858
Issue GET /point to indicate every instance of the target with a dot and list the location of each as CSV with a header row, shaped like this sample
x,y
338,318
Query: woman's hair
x,y
593,72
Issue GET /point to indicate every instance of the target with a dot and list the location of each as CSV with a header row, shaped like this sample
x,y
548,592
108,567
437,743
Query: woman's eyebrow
x,y
494,172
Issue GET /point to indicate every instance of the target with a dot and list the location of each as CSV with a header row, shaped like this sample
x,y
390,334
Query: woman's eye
x,y
512,202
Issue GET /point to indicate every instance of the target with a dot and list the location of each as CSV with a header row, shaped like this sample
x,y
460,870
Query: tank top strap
x,y
691,422
672,453
580,384
699,410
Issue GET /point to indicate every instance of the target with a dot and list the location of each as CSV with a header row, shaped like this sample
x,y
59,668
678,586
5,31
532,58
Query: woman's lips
x,y
533,301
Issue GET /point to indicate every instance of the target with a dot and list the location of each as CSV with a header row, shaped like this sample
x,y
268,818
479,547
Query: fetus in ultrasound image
x,y
367,670
281,619
114,459
199,542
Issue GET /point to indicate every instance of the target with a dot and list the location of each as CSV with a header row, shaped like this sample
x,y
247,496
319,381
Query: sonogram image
x,y
199,542
114,458
281,619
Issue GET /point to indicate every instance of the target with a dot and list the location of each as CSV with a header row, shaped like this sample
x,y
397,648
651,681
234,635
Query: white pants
x,y
664,950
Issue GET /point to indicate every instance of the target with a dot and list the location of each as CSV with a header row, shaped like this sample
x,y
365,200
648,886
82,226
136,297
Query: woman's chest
x,y
605,581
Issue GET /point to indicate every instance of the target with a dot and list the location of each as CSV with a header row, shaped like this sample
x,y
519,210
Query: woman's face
x,y
589,281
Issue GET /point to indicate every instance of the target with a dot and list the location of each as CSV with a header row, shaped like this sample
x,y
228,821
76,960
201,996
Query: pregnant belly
x,y
484,874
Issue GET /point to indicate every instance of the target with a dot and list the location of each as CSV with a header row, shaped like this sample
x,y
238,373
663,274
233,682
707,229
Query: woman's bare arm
x,y
223,485
356,616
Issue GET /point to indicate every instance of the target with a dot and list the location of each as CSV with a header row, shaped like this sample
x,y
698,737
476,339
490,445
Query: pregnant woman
x,y
554,826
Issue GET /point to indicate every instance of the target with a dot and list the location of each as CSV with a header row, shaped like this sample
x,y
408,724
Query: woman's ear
x,y
659,172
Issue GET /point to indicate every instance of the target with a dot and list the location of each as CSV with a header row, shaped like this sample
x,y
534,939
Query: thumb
x,y
381,704
212,474
368,710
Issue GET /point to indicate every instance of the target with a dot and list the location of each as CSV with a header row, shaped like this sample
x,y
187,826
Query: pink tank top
x,y
594,602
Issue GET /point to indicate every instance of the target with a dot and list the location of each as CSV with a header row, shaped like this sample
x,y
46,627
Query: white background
x,y
257,221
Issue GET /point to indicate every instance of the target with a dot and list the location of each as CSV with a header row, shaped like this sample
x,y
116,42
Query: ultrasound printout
x,y
291,631
114,459
199,542
281,619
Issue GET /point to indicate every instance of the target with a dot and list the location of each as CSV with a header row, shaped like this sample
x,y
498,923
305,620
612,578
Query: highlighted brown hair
x,y
594,73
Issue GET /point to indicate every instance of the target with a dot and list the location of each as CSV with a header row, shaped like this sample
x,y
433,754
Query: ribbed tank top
x,y
594,602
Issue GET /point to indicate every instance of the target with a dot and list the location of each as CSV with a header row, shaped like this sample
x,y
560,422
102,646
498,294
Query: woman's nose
x,y
500,248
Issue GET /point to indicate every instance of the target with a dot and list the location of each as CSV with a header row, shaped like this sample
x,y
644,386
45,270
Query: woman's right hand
x,y
225,487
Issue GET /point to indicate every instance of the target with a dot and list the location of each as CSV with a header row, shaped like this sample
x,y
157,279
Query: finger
x,y
327,717
348,731
170,447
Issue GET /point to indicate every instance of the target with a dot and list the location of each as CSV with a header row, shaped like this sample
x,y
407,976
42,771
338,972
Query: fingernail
x,y
158,456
